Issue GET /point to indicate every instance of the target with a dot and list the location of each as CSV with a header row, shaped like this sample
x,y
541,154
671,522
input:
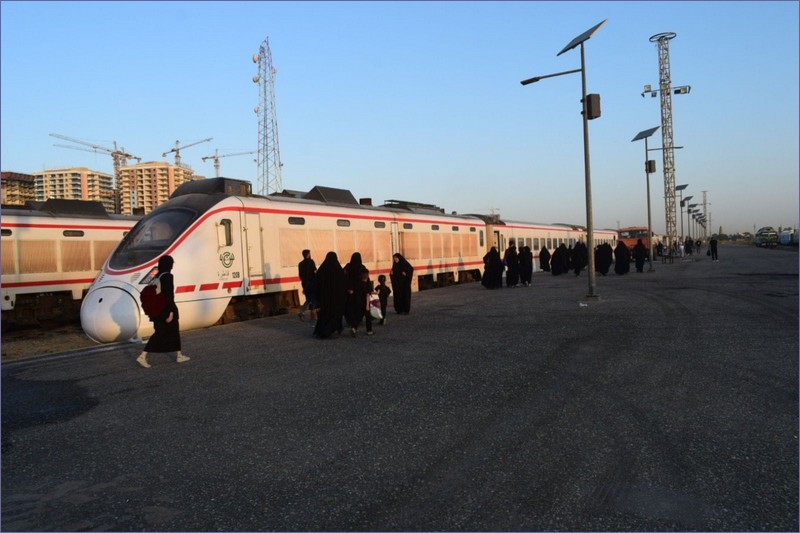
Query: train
x,y
236,253
766,237
787,237
51,253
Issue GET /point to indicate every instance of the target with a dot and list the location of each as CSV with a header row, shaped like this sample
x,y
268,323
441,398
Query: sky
x,y
422,101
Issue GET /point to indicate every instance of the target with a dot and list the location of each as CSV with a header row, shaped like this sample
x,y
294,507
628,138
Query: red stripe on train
x,y
47,282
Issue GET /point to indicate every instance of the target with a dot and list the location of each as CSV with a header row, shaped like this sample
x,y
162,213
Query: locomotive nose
x,y
110,314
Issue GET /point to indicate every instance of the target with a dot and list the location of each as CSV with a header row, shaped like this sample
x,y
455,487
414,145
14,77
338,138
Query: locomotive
x,y
236,253
51,253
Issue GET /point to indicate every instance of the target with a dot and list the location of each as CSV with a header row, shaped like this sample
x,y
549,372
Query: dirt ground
x,y
22,344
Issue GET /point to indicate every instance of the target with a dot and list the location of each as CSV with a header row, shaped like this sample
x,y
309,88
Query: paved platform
x,y
668,403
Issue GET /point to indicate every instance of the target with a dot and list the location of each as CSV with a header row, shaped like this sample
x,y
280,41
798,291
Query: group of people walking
x,y
518,267
339,296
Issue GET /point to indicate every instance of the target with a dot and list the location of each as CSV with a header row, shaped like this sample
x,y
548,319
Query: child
x,y
365,290
383,295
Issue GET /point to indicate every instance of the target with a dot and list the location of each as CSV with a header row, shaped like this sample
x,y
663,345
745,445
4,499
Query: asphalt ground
x,y
669,403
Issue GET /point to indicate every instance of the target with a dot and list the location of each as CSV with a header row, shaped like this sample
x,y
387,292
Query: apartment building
x,y
78,183
145,186
17,188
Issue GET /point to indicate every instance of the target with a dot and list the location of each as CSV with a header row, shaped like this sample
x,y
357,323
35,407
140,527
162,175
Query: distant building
x,y
17,188
145,186
78,183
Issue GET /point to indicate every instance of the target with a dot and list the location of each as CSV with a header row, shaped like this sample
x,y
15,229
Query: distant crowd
x,y
518,265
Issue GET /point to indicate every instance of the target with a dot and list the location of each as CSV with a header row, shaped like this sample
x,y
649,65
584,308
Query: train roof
x,y
59,207
318,194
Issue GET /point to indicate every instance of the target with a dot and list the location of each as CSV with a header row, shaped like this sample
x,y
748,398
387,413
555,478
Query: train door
x,y
498,242
254,254
395,239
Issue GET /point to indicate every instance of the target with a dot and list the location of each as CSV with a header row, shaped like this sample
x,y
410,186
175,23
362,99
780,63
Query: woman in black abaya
x,y
402,275
167,337
544,259
492,270
355,298
622,259
330,292
525,266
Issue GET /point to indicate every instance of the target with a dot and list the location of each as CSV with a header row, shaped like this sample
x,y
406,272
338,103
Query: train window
x,y
224,233
297,221
455,228
549,243
73,233
435,227
379,224
6,232
472,229
343,223
408,225
151,236
536,243
480,239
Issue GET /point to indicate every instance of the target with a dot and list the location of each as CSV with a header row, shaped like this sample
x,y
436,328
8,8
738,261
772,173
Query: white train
x,y
236,254
51,253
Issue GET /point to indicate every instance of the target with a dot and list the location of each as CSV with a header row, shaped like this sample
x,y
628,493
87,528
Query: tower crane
x,y
216,158
119,156
177,150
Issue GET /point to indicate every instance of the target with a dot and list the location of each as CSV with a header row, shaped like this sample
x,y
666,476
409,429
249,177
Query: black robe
x,y
559,262
544,259
511,261
356,299
622,259
580,257
492,270
639,255
402,276
167,337
603,258
525,265
330,293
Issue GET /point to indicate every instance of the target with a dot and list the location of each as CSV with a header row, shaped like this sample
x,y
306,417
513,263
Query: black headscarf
x,y
165,263
353,270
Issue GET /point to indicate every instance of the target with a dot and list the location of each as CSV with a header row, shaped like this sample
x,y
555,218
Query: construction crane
x,y
119,156
178,147
216,158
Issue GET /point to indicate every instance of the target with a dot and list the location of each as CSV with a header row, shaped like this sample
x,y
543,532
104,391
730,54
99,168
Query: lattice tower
x,y
667,139
269,157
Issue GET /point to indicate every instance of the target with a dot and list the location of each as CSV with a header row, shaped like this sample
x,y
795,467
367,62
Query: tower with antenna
x,y
269,156
667,138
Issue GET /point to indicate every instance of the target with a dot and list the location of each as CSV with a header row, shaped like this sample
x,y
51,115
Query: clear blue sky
x,y
421,100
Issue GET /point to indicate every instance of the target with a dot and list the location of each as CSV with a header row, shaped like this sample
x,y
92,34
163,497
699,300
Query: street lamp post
x,y
579,40
680,189
688,222
689,210
684,201
649,166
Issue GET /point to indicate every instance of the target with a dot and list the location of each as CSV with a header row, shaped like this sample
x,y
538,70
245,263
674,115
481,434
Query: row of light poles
x,y
591,110
649,168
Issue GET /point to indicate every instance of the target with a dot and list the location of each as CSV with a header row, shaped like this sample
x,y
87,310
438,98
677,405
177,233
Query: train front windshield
x,y
151,237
